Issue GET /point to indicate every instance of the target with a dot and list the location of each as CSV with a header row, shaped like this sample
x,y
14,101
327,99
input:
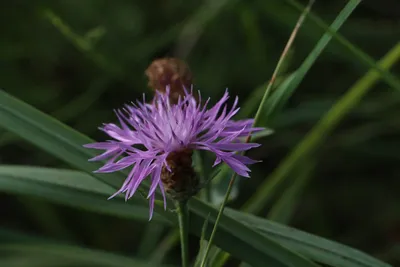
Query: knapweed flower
x,y
157,140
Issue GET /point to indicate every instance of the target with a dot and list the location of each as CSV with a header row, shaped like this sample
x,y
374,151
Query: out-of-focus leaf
x,y
283,208
314,247
72,188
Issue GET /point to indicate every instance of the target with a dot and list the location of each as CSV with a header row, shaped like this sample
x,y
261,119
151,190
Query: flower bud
x,y
171,72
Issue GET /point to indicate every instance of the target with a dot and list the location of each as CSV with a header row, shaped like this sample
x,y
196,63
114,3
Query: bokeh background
x,y
78,60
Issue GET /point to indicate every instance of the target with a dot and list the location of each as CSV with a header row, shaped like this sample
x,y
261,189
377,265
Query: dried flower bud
x,y
181,181
171,72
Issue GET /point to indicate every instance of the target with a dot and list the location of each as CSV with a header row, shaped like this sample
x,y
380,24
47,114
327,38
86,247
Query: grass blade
x,y
17,179
282,94
361,56
317,248
72,188
320,131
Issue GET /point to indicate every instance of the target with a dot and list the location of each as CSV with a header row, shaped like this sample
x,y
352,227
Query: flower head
x,y
156,140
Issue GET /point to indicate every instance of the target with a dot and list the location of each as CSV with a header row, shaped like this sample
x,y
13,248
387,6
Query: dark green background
x,y
79,78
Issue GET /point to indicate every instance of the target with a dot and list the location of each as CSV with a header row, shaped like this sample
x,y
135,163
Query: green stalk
x,y
256,119
221,211
183,219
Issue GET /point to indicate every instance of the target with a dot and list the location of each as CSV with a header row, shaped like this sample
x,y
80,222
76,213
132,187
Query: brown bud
x,y
171,72
181,182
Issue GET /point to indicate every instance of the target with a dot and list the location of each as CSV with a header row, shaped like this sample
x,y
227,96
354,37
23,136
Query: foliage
x,y
67,64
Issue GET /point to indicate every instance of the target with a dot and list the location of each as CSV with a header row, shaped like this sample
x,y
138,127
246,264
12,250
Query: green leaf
x,y
314,247
72,188
66,144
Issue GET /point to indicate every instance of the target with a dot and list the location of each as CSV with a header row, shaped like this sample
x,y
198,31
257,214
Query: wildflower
x,y
169,72
157,140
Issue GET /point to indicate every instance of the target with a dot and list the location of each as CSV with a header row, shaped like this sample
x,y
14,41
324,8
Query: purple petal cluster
x,y
148,133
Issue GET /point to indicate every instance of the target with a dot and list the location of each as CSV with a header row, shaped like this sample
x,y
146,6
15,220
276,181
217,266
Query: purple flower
x,y
148,133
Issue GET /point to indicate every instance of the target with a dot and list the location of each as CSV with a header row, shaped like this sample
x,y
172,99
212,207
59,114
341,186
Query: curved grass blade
x,y
24,180
72,188
317,248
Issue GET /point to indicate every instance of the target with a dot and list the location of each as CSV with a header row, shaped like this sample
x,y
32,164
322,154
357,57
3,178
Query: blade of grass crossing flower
x,y
319,132
66,144
257,118
281,95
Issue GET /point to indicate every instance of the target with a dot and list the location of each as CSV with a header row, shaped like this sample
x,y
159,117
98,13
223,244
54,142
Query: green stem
x,y
221,211
183,218
256,120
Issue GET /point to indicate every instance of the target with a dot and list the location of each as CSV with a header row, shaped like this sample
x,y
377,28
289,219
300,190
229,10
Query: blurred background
x,y
78,60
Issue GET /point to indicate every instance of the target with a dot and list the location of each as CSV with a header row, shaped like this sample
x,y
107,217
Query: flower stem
x,y
183,218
